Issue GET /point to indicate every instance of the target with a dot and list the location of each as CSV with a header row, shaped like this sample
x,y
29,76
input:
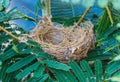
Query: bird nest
x,y
64,44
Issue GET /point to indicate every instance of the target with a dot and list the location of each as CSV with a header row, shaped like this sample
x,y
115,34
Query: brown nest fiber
x,y
64,44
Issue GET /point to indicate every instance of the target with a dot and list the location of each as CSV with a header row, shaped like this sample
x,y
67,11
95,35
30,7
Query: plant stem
x,y
46,8
84,14
109,14
1,28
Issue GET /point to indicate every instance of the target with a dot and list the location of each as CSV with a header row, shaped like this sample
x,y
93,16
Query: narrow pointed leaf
x,y
39,71
59,75
12,51
86,68
56,65
98,71
20,63
8,54
77,71
44,78
27,71
113,67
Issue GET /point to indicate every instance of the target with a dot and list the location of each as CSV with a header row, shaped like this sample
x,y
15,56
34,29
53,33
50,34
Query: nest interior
x,y
64,44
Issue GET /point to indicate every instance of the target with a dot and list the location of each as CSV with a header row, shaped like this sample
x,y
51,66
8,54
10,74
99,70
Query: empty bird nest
x,y
64,44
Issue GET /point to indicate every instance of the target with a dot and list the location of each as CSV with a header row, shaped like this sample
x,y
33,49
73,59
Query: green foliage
x,y
88,72
28,61
27,70
21,63
98,71
56,65
40,70
78,72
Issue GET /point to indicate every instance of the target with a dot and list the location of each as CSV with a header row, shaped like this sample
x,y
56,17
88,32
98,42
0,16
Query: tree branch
x,y
1,28
84,14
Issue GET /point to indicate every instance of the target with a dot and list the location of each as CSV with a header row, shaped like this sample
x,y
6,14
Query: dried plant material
x,y
64,44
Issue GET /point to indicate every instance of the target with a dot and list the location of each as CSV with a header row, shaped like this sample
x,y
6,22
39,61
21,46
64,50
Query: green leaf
x,y
12,14
12,51
26,51
7,78
44,78
15,48
104,22
60,76
33,79
98,71
97,54
19,48
111,31
4,17
56,65
44,55
50,79
4,66
10,77
39,71
27,71
70,76
4,38
86,68
20,63
63,76
8,54
111,47
0,63
112,67
116,74
77,71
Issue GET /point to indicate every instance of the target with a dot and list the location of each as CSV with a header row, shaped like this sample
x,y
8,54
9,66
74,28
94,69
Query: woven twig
x,y
64,44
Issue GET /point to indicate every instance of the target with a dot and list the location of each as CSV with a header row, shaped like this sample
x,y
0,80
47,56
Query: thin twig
x,y
1,28
84,14
46,8
109,14
49,8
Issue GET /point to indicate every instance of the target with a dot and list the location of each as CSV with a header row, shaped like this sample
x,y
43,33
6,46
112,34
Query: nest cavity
x,y
64,44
